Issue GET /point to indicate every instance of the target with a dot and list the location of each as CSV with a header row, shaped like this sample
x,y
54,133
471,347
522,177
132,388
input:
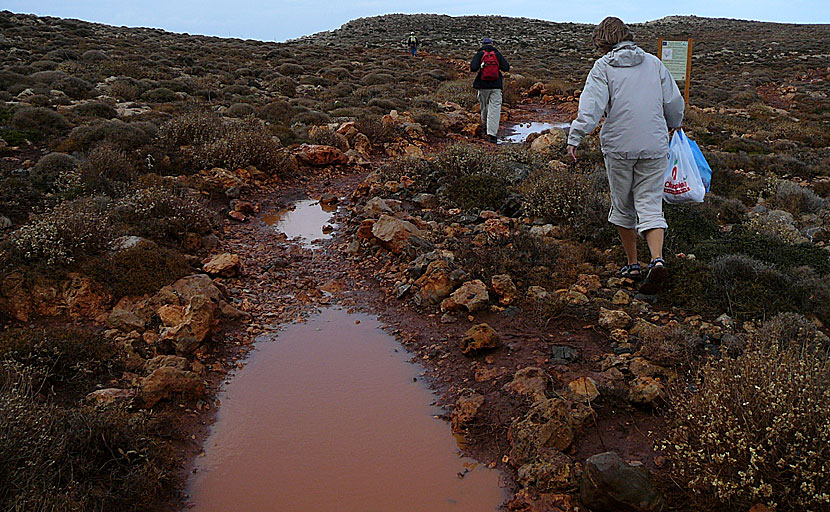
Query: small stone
x,y
645,391
537,293
584,389
613,319
169,382
479,337
107,396
472,295
505,288
621,298
530,381
563,354
224,265
465,411
611,485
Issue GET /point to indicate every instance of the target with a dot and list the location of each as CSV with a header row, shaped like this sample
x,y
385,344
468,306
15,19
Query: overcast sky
x,y
284,19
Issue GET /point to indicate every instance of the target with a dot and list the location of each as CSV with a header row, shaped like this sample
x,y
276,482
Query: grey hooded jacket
x,y
639,99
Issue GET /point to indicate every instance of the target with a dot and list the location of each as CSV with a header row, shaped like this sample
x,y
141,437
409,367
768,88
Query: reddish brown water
x,y
304,219
326,417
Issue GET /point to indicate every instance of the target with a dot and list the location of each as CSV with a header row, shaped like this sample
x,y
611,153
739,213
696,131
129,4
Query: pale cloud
x,y
284,19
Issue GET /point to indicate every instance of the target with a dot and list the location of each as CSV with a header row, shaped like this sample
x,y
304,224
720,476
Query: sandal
x,y
657,273
632,271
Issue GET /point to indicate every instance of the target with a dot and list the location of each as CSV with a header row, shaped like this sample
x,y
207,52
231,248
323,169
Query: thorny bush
x,y
755,429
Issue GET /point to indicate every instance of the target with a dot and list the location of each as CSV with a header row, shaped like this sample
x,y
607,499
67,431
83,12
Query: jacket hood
x,y
625,55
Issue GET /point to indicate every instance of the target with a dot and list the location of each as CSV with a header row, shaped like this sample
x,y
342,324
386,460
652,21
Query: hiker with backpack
x,y
641,103
489,64
412,43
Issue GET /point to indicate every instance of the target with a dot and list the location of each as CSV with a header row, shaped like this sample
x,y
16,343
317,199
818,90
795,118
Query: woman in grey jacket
x,y
641,102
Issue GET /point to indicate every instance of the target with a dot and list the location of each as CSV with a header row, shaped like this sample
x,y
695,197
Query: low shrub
x,y
240,110
40,120
372,127
569,198
325,136
755,429
124,136
61,459
527,259
125,90
55,172
105,169
241,144
139,270
289,68
95,109
59,356
396,168
277,112
766,249
748,288
74,87
796,199
160,95
676,346
165,215
65,233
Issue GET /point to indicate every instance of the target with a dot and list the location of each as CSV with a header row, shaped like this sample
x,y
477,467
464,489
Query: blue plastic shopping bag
x,y
702,165
682,182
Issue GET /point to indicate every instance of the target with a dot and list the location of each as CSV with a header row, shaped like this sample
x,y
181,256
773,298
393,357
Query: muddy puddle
x,y
329,415
306,220
518,133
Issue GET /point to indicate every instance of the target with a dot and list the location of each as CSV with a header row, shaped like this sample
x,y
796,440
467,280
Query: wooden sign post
x,y
677,57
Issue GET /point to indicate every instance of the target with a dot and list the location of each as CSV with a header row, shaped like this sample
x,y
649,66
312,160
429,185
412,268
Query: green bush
x,y
240,110
796,199
765,249
124,136
571,198
755,429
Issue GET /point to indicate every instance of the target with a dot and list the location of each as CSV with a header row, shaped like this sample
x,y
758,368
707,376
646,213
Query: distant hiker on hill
x,y
412,43
640,102
489,81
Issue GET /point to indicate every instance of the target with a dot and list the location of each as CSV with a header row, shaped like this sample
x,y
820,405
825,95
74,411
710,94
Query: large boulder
x,y
548,424
84,298
394,233
479,337
610,485
168,382
318,155
472,295
130,314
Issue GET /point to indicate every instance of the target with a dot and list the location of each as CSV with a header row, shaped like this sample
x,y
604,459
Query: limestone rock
x,y
194,328
168,382
465,410
613,319
129,315
552,471
177,362
425,200
224,265
171,315
530,381
526,500
553,141
318,155
394,233
436,283
537,293
183,290
584,389
645,391
108,396
621,298
505,289
479,337
548,424
472,295
376,207
610,485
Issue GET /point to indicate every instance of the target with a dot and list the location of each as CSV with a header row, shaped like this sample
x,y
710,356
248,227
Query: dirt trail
x,y
285,282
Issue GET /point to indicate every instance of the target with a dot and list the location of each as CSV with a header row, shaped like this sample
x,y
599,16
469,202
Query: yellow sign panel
x,y
675,55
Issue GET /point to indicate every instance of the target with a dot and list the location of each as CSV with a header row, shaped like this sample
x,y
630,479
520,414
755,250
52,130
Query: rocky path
x,y
486,394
